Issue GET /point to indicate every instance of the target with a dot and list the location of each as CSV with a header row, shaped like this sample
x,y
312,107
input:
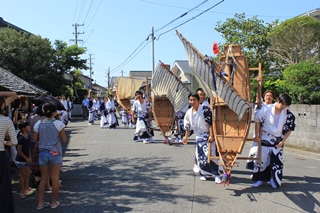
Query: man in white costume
x,y
199,119
103,112
111,108
141,109
277,122
268,97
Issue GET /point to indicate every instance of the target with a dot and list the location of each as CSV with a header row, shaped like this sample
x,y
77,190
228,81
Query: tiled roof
x,y
11,82
4,24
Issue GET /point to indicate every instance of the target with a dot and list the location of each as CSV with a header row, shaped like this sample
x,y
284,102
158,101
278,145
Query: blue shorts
x,y
47,157
21,165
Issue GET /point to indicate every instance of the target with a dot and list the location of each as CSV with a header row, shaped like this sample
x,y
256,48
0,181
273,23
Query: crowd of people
x,y
32,142
32,145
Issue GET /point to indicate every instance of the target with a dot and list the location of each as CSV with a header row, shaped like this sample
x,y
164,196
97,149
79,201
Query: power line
x,y
173,6
125,63
88,11
94,15
75,12
102,17
184,14
81,9
129,58
131,54
191,18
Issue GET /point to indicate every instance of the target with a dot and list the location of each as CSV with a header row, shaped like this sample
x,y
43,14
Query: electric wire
x,y
184,14
224,13
190,19
128,58
94,14
75,12
100,19
118,68
88,11
81,10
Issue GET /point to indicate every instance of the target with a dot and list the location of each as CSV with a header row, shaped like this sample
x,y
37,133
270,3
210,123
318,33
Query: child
x,y
50,133
124,116
23,158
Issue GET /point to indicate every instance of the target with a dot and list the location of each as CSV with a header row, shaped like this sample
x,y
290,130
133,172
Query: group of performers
x,y
106,110
274,123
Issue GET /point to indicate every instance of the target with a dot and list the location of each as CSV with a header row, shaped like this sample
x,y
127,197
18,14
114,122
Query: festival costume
x,y
124,117
91,112
272,132
112,119
200,122
180,132
104,114
253,152
142,123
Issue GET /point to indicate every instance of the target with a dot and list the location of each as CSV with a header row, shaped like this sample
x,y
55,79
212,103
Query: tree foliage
x,y
302,82
296,40
26,56
251,34
33,59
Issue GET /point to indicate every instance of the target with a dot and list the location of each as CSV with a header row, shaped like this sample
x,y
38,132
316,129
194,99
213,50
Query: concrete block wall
x,y
307,133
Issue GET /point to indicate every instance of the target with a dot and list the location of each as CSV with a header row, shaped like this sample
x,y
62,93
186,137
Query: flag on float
x,y
215,48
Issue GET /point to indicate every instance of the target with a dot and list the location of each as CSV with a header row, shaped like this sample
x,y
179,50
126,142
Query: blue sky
x,y
113,29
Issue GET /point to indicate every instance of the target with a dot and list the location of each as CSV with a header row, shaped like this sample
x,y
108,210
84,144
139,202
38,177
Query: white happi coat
x,y
196,122
141,111
270,130
111,110
199,122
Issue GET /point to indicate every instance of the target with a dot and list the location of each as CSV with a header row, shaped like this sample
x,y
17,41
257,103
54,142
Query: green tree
x,y
27,56
33,59
302,82
66,60
251,34
296,40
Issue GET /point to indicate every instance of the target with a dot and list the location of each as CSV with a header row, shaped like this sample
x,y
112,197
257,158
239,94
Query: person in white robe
x,y
199,119
179,119
276,123
96,106
141,110
111,108
268,97
103,112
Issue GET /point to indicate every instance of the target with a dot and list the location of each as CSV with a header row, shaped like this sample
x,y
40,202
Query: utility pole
x,y
122,73
152,37
76,33
90,69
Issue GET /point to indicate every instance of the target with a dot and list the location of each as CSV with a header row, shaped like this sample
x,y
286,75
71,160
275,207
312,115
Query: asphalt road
x,y
105,171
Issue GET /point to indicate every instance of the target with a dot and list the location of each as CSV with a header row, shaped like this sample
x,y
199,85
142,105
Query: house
x,y
144,75
313,13
11,82
114,81
4,24
183,71
97,90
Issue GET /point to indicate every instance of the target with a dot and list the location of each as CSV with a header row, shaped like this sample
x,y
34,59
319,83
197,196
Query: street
x,y
106,171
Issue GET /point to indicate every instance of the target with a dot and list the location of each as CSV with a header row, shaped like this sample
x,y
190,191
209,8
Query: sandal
x,y
57,204
48,190
45,204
